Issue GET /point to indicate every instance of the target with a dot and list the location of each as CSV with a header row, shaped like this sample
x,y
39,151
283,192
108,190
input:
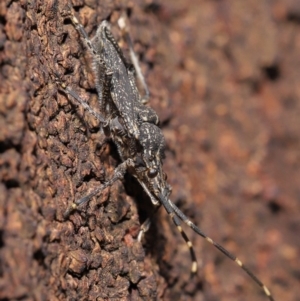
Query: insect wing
x,y
122,94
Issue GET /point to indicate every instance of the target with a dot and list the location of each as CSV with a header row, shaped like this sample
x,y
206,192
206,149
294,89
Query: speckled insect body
x,y
133,127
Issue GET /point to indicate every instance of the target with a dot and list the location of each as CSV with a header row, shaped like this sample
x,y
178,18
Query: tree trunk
x,y
224,80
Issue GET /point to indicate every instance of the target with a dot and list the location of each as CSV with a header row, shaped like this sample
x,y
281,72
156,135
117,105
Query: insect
x,y
133,127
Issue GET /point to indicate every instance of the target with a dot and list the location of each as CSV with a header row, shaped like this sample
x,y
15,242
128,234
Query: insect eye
x,y
152,173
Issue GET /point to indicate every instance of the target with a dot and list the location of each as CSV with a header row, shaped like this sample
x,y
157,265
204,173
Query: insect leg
x,y
82,102
123,24
144,228
146,224
99,68
82,32
185,219
119,173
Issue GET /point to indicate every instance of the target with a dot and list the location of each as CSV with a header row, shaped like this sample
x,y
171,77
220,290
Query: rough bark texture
x,y
224,79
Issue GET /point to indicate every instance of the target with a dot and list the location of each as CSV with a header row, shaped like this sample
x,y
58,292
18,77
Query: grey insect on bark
x,y
133,128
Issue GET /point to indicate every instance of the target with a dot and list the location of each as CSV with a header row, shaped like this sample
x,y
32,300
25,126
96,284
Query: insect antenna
x,y
177,223
185,219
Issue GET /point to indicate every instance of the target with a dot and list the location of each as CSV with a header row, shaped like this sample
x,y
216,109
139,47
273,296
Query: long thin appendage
x,y
144,228
99,67
176,221
86,198
125,30
118,175
147,223
72,93
83,33
185,219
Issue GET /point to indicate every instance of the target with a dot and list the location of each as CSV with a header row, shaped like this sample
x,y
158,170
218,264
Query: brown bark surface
x,y
224,79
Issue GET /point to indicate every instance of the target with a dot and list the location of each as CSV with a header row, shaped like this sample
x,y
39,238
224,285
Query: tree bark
x,y
224,79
